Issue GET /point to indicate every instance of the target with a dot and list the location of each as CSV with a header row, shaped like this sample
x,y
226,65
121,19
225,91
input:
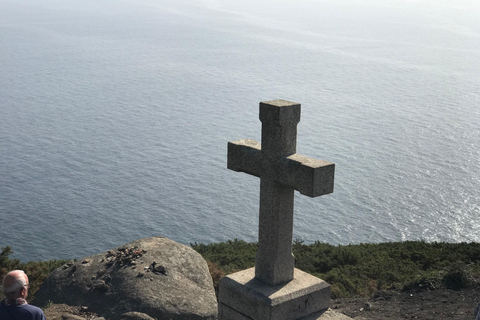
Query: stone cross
x,y
281,171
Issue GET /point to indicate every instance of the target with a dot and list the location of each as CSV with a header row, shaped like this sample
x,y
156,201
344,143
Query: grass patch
x,y
352,270
363,269
36,271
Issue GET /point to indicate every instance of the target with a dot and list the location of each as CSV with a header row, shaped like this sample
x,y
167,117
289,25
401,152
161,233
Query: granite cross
x,y
281,172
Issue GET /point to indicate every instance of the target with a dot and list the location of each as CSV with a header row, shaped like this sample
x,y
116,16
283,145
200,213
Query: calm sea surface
x,y
115,117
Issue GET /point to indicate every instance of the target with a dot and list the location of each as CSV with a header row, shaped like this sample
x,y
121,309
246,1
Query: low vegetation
x,y
352,270
36,271
363,269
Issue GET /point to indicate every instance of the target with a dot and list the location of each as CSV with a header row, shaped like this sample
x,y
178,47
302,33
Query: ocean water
x,y
115,117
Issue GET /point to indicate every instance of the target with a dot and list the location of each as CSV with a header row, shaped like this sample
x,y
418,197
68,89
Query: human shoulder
x,y
36,312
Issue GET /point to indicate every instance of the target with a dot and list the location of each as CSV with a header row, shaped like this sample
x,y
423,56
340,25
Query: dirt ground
x,y
417,303
413,304
55,311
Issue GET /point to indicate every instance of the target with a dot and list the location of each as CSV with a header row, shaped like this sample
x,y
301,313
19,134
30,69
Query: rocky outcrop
x,y
155,276
135,316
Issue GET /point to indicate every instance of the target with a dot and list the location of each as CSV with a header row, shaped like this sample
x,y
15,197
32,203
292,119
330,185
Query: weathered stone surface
x,y
67,316
274,289
242,296
281,171
135,316
155,276
327,315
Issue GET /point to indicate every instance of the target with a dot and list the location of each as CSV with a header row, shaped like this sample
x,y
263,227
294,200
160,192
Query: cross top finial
x,y
279,127
280,112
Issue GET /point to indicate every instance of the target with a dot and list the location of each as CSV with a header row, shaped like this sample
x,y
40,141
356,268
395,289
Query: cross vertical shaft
x,y
274,262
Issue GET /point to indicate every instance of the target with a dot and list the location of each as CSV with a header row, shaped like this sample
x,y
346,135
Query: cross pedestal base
x,y
243,297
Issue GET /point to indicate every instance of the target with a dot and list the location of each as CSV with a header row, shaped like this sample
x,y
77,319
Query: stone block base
x,y
243,297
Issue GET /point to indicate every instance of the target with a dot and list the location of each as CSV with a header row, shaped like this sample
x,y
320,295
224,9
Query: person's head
x,y
15,285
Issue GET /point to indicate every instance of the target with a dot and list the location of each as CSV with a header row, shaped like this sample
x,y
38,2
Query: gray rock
x,y
67,316
135,316
154,276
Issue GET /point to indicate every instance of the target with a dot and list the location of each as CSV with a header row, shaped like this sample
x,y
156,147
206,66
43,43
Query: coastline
x,y
375,281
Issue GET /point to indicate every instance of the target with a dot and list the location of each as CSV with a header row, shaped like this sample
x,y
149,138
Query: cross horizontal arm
x,y
311,177
245,156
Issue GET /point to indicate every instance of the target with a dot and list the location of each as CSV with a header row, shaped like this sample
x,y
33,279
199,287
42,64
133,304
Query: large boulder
x,y
155,276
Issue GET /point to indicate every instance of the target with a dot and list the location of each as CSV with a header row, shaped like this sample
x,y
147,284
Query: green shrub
x,y
36,271
230,256
361,270
352,270
456,278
